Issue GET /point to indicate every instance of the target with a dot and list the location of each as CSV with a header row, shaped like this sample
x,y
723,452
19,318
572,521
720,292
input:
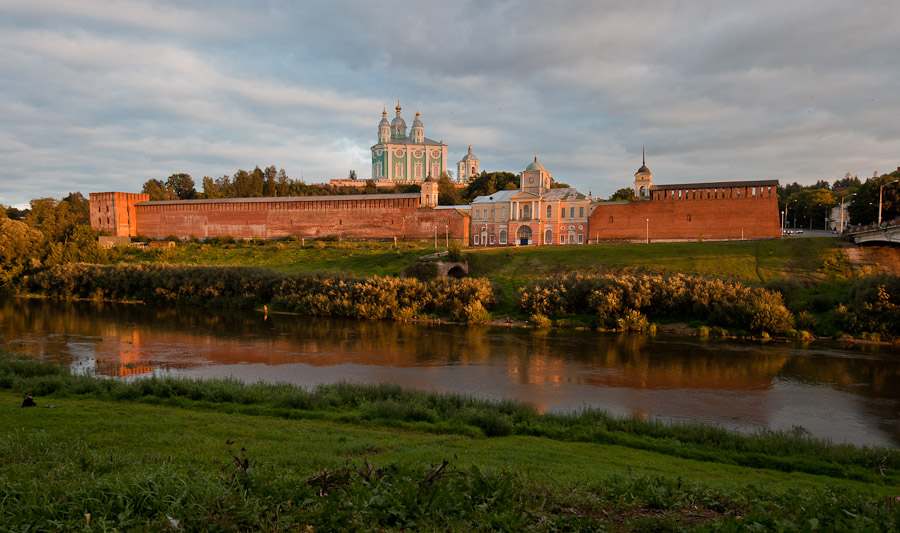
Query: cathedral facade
x,y
403,158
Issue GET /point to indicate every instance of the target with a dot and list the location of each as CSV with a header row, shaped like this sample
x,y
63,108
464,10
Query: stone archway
x,y
523,235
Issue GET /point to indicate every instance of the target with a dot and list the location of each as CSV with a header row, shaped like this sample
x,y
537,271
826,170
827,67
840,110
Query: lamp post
x,y
841,232
880,193
648,231
784,221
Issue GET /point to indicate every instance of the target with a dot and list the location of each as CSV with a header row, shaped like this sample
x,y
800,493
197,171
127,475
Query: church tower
x,y
384,128
467,168
417,132
535,178
643,179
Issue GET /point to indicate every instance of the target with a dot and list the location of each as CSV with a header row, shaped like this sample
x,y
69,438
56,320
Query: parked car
x,y
799,231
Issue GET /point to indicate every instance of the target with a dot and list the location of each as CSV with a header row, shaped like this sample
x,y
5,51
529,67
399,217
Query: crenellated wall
x,y
347,217
715,211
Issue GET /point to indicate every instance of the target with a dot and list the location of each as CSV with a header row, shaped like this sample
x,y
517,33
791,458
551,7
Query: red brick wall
x,y
731,218
344,219
114,212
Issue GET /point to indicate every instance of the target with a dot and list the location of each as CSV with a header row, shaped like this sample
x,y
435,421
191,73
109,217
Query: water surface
x,y
846,393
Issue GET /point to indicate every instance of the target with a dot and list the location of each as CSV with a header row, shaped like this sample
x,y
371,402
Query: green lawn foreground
x,y
128,464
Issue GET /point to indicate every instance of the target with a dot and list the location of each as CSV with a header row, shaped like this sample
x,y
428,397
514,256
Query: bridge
x,y
889,232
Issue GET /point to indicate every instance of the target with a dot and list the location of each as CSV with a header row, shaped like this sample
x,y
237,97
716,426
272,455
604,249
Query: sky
x,y
103,95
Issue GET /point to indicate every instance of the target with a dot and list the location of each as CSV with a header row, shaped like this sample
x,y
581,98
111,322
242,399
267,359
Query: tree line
x,y
807,206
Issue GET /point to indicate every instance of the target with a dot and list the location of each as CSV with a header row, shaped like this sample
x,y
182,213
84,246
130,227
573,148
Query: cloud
x,y
103,95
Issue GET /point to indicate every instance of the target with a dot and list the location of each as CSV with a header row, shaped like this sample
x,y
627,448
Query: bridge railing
x,y
862,228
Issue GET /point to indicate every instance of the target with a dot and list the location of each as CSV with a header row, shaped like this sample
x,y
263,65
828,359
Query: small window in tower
x,y
610,219
689,217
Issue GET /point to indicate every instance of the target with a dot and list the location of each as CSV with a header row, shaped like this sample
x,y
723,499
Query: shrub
x,y
539,321
632,320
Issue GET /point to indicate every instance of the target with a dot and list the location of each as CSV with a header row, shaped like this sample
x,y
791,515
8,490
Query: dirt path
x,y
881,259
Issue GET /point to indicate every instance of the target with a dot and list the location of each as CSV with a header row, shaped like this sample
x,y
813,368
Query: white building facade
x,y
535,214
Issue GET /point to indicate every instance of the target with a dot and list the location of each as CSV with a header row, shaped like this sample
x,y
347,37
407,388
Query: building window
x,y
549,211
580,238
571,212
475,240
492,239
503,236
503,213
435,170
526,212
418,170
562,213
562,238
398,170
492,213
548,237
689,217
581,212
477,214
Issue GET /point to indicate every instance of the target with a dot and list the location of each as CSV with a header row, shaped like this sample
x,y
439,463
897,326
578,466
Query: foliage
x,y
448,192
626,297
864,209
22,249
455,252
626,193
489,183
873,307
158,190
182,185
56,219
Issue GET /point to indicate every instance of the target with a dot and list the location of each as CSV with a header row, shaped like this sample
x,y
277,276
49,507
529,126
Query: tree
x,y
158,190
864,209
21,249
448,193
80,208
489,183
623,194
182,185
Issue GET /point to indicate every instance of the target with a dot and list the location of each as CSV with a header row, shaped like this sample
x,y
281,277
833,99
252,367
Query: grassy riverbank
x,y
224,455
749,261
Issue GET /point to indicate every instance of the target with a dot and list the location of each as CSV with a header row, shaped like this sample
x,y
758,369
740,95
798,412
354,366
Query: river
x,y
842,392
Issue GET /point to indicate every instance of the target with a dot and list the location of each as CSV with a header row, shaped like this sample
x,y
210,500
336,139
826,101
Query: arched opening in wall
x,y
456,272
643,190
503,235
548,237
524,235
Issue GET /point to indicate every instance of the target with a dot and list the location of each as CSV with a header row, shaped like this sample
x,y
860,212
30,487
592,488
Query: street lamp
x,y
648,231
841,232
880,192
784,215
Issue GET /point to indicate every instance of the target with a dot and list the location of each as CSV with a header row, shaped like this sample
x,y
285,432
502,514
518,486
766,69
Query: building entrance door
x,y
524,236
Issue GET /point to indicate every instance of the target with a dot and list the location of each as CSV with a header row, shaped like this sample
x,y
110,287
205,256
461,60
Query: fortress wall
x,y
352,219
114,212
724,213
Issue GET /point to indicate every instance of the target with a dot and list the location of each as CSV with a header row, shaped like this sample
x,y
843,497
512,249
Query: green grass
x,y
363,259
226,456
750,261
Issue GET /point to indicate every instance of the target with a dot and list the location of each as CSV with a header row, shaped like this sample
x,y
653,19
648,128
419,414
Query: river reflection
x,y
846,394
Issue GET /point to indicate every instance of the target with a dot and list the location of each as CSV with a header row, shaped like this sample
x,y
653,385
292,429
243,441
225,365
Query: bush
x,y
539,321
